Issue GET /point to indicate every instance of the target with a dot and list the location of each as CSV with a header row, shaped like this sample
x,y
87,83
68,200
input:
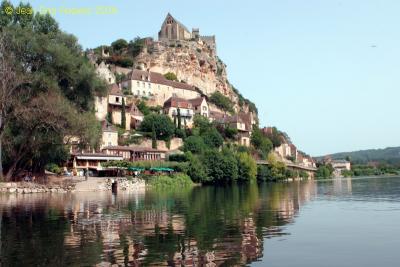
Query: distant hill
x,y
390,155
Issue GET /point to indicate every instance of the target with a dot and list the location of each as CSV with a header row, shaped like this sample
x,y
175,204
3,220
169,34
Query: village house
x,y
176,105
200,106
80,162
109,135
244,129
136,117
154,85
135,153
104,72
115,98
340,165
284,150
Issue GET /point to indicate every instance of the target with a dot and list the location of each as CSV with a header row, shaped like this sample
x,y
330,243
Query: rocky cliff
x,y
194,62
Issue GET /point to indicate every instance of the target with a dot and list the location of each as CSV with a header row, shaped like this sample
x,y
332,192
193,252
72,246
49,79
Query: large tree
x,y
46,93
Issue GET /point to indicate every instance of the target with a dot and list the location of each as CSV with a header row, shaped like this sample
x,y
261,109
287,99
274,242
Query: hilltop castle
x,y
173,30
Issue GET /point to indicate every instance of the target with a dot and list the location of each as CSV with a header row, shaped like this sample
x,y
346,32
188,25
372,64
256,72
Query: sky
x,y
326,72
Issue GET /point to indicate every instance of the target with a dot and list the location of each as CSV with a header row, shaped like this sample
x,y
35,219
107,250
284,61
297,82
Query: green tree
x,y
153,137
52,95
123,114
142,106
194,144
323,171
247,167
179,118
119,44
171,76
163,125
212,138
196,169
261,143
109,117
220,168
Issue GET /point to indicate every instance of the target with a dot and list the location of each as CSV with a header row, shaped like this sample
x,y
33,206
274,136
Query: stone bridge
x,y
293,166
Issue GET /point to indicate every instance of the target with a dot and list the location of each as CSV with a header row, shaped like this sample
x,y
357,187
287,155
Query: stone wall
x,y
175,144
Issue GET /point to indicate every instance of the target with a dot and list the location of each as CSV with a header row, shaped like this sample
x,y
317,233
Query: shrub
x,y
178,157
171,76
221,101
196,169
179,180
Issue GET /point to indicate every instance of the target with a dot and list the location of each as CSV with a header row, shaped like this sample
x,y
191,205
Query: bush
x,y
52,167
171,76
178,157
176,180
221,101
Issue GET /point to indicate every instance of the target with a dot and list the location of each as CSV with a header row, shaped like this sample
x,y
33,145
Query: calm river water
x,y
341,222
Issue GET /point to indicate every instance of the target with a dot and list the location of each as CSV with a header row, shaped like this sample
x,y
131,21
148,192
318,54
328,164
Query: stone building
x,y
200,106
155,86
172,29
109,135
115,97
103,71
171,107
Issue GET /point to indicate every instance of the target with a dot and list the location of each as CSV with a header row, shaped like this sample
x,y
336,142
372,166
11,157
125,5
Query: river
x,y
340,222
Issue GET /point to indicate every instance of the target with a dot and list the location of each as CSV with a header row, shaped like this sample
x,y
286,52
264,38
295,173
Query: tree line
x,y
47,88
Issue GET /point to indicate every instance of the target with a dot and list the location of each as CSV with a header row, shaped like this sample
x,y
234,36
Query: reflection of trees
x,y
216,225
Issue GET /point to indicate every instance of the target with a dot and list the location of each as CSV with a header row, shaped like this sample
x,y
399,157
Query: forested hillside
x,y
390,155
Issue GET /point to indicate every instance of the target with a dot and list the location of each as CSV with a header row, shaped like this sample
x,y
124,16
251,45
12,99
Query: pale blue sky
x,y
311,67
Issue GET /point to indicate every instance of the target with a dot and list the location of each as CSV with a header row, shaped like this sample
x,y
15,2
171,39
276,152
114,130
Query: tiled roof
x,y
196,101
157,78
177,102
115,90
108,127
133,149
135,111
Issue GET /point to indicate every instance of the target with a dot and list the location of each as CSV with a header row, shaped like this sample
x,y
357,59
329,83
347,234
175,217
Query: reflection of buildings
x,y
152,230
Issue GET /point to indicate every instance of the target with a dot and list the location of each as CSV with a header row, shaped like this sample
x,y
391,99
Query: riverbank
x,y
67,184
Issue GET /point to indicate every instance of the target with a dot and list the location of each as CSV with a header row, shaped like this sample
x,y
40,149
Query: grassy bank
x,y
178,180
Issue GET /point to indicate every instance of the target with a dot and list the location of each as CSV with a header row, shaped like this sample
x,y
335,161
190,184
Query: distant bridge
x,y
290,166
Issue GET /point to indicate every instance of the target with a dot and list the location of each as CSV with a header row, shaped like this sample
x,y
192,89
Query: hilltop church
x,y
173,30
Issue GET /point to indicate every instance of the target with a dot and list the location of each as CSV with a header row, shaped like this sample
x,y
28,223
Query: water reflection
x,y
204,226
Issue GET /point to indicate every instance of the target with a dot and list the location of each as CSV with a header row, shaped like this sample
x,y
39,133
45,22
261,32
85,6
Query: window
x,y
149,94
144,93
144,85
149,85
109,79
138,84
117,99
138,92
205,108
159,87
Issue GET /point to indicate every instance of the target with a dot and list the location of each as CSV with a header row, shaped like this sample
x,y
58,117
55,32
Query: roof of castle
x,y
177,21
